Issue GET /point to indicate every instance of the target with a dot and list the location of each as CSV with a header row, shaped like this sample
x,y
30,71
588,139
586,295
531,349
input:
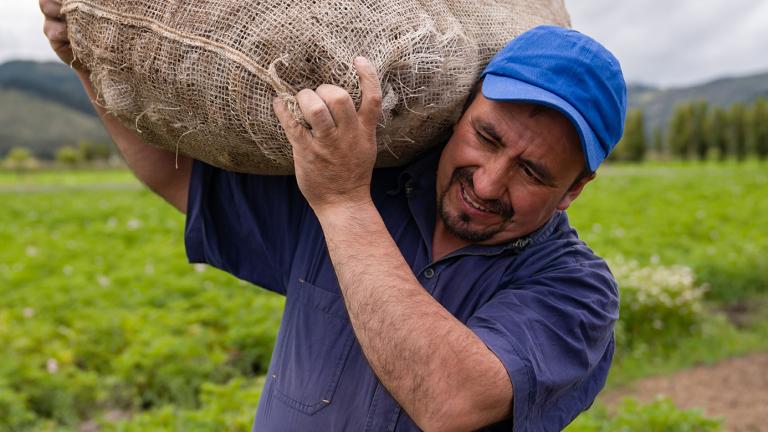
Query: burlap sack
x,y
198,76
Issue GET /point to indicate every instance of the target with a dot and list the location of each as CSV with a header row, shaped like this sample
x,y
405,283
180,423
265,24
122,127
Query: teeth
x,y
471,202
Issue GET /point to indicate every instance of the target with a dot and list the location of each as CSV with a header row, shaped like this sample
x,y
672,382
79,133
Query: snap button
x,y
409,188
429,273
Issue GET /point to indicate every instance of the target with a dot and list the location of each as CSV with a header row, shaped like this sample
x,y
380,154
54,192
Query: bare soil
x,y
735,390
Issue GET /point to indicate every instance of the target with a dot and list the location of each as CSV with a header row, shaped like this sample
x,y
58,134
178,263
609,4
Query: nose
x,y
490,181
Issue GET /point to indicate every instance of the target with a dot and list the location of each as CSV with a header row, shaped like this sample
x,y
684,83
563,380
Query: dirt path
x,y
736,390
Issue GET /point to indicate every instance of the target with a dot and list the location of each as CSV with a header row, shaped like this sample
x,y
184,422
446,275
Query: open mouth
x,y
472,203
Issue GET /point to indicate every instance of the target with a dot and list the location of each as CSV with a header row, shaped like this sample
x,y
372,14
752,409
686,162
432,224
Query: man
x,y
447,295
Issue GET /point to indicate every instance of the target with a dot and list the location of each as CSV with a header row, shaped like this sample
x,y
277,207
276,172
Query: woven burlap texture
x,y
197,77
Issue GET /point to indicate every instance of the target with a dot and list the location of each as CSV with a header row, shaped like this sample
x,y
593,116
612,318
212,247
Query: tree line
x,y
84,154
699,131
696,131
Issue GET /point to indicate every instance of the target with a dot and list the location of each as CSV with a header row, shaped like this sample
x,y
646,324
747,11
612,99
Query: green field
x,y
103,322
711,217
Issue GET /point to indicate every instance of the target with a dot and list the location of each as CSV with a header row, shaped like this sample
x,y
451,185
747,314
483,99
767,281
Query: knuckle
x,y
316,111
304,93
332,94
339,100
338,92
48,29
55,31
375,98
50,8
327,134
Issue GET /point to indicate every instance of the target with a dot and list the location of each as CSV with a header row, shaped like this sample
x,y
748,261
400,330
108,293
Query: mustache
x,y
464,176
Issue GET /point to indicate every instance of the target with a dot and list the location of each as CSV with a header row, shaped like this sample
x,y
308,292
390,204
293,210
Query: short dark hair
x,y
585,172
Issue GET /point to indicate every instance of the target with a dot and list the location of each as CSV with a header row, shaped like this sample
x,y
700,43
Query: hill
x,y
55,83
50,81
659,104
42,126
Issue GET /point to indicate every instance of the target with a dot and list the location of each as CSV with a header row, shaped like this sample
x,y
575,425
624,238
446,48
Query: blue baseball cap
x,y
567,71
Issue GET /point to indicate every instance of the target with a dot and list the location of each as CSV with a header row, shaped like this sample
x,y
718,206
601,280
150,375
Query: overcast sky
x,y
661,42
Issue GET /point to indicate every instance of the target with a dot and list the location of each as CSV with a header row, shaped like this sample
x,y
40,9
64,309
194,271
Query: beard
x,y
459,223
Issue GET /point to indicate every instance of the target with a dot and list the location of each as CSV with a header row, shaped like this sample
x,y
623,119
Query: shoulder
x,y
558,248
561,263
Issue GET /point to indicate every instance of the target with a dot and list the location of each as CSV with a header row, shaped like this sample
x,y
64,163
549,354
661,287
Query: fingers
x,y
329,108
370,107
340,105
293,129
55,31
51,9
315,112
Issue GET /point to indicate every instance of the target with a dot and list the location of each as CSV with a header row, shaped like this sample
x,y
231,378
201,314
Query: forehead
x,y
535,128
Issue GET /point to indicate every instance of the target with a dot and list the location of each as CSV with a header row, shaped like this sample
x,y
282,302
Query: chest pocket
x,y
314,345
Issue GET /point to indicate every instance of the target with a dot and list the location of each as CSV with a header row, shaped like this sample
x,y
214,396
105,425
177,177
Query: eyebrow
x,y
541,171
487,129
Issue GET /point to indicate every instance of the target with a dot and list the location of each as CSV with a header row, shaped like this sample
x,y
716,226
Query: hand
x,y
55,29
334,159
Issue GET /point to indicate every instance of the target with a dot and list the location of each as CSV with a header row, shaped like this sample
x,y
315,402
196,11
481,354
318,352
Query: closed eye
x,y
533,174
529,172
488,141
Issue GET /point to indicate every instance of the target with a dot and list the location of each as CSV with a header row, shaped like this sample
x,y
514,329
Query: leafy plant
x,y
659,305
661,415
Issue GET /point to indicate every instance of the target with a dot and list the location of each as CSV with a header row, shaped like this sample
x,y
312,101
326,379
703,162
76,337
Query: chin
x,y
461,225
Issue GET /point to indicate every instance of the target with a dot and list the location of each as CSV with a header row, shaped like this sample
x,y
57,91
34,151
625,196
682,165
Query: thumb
x,y
370,107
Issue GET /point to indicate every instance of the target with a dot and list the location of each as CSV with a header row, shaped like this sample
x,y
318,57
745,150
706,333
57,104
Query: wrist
x,y
345,210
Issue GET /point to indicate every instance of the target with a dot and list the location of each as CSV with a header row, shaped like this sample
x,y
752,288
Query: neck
x,y
443,242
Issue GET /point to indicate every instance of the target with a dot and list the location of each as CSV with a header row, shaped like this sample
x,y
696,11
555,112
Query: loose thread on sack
x,y
178,142
146,111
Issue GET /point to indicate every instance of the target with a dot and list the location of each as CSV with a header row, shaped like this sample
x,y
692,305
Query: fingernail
x,y
361,59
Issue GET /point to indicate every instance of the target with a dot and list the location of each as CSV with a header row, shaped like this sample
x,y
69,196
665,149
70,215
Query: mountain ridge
x,y
57,84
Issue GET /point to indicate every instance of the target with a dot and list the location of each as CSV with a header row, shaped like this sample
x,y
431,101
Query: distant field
x,y
101,313
68,178
710,217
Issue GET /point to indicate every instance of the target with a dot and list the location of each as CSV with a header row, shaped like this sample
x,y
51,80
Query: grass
x,y
100,310
100,313
706,216
68,178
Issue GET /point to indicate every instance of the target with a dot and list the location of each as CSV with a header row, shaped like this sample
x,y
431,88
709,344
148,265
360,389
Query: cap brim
x,y
505,89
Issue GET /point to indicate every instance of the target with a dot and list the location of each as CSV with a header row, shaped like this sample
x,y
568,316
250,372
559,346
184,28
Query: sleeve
x,y
246,225
554,334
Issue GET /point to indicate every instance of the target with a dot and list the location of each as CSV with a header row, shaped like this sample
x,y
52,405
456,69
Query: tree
x,y
91,151
737,128
657,143
679,132
20,159
717,132
759,128
698,135
68,156
632,146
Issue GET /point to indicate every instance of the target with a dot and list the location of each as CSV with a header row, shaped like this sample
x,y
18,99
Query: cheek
x,y
456,154
530,202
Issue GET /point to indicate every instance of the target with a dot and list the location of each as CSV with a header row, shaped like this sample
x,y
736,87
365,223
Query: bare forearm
x,y
161,170
435,367
432,364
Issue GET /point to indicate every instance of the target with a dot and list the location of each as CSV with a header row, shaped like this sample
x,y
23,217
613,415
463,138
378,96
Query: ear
x,y
574,192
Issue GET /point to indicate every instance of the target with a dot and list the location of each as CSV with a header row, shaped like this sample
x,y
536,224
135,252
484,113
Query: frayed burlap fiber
x,y
198,76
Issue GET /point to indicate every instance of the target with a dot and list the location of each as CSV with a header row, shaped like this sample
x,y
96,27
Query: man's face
x,y
505,171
